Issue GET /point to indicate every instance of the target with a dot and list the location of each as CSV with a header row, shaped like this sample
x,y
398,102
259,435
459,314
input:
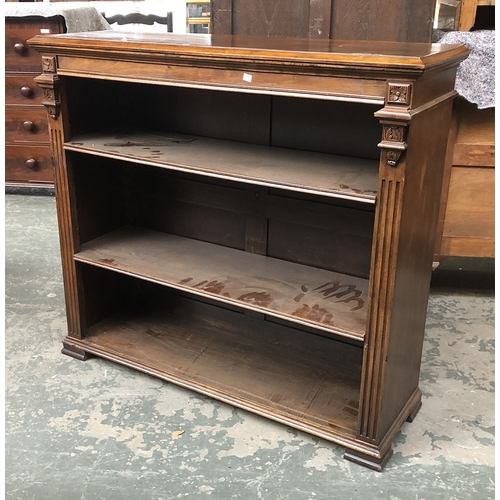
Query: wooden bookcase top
x,y
354,71
393,56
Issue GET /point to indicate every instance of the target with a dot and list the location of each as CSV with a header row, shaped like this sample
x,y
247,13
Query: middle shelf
x,y
323,174
326,300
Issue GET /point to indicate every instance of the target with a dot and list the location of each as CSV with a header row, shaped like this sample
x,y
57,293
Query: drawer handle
x,y
26,91
28,125
31,163
19,47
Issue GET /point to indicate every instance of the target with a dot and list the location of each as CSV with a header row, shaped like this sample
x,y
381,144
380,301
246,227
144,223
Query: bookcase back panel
x,y
101,193
221,115
98,105
105,293
198,222
325,126
298,228
343,252
303,124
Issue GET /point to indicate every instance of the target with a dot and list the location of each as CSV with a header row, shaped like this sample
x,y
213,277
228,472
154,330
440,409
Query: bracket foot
x,y
74,352
413,413
369,461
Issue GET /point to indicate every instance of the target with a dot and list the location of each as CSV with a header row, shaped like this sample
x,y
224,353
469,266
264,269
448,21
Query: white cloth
x,y
476,75
77,19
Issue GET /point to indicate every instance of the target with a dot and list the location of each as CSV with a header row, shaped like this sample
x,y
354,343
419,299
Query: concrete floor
x,y
95,430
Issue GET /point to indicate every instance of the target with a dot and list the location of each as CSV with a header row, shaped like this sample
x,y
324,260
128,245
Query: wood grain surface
x,y
331,175
330,301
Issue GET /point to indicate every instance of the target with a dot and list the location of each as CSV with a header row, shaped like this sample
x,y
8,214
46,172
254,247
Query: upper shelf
x,y
314,173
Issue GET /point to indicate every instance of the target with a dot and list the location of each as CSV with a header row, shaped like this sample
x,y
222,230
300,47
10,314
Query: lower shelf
x,y
302,380
325,300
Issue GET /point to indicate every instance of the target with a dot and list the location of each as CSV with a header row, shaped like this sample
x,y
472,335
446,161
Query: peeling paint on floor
x,y
95,430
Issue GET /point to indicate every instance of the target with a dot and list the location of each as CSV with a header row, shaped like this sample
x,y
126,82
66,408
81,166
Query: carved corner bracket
x,y
393,142
395,118
49,82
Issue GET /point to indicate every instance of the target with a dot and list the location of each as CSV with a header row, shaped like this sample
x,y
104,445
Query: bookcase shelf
x,y
294,381
321,299
254,218
309,172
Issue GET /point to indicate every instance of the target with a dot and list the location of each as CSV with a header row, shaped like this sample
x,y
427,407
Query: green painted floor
x,y
95,430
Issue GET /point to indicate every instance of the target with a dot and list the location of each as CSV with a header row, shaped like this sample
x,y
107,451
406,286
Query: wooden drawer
x,y
469,226
17,169
22,89
18,55
27,123
467,217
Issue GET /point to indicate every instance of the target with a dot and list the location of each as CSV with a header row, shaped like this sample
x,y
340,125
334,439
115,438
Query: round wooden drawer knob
x,y
19,47
31,163
28,125
26,91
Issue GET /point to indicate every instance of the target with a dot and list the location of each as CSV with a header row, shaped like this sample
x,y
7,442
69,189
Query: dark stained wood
x,y
332,250
277,18
215,49
19,55
452,134
228,251
66,207
318,132
326,394
403,21
467,215
101,196
328,301
18,170
105,293
20,88
414,258
227,213
320,13
291,379
26,124
331,175
256,230
219,212
221,18
395,20
242,117
222,227
26,161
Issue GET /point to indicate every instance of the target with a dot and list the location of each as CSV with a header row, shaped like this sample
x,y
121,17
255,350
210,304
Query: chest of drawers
x,y
28,161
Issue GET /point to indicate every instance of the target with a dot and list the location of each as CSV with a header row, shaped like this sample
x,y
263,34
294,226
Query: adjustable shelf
x,y
328,301
309,172
270,243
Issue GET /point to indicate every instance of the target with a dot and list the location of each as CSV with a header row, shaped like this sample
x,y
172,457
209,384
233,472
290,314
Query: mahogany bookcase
x,y
254,218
